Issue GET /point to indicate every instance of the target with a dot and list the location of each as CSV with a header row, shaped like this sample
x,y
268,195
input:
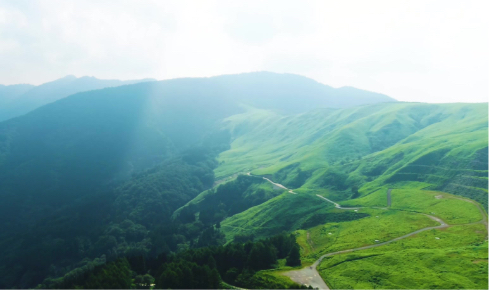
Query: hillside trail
x,y
309,276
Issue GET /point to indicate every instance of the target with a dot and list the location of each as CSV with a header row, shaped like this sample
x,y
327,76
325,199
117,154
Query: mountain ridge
x,y
37,96
255,85
97,175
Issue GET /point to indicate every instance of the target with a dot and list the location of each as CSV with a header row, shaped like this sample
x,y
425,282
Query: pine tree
x,y
294,257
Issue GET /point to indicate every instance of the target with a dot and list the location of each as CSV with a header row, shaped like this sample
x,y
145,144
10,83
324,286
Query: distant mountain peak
x,y
68,77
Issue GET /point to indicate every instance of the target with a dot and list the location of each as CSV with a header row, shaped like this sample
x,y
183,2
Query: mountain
x,y
10,94
286,93
392,145
129,171
16,100
289,93
88,139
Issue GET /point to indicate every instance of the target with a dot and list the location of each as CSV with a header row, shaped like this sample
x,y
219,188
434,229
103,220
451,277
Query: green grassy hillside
x,y
230,198
129,171
286,212
433,157
453,258
442,145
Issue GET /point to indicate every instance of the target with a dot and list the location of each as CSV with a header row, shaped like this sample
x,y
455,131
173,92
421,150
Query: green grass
x,y
409,196
457,259
271,279
442,145
377,198
419,150
285,212
443,205
382,225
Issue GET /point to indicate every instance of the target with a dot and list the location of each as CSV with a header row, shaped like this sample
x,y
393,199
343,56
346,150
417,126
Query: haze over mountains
x,y
16,100
262,89
129,170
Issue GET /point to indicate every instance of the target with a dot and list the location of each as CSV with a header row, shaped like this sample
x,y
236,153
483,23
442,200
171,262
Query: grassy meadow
x,y
451,258
380,226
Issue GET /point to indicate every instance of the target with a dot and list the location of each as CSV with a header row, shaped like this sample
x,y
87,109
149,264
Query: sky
x,y
421,51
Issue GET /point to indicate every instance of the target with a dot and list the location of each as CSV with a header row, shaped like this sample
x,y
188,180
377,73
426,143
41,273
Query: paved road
x,y
310,275
276,184
335,204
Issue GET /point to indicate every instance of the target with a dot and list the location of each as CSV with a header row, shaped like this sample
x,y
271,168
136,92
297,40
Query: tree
x,y
206,216
262,256
211,262
294,257
148,280
231,275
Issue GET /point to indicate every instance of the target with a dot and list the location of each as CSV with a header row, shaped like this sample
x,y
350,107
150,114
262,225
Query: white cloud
x,y
433,51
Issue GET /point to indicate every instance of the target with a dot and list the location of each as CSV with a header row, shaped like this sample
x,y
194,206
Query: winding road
x,y
309,276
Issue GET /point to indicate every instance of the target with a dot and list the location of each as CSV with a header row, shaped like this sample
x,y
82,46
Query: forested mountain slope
x,y
17,100
82,142
99,173
129,171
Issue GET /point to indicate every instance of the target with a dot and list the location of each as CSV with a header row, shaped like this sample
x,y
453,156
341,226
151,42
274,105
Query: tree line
x,y
202,268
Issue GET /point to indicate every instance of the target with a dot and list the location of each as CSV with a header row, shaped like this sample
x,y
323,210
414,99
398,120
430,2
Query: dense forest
x,y
202,268
132,218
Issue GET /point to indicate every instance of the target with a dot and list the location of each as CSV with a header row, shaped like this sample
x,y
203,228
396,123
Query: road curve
x,y
481,210
310,276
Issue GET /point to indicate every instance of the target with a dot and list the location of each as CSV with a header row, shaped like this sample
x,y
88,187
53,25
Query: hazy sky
x,y
429,51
